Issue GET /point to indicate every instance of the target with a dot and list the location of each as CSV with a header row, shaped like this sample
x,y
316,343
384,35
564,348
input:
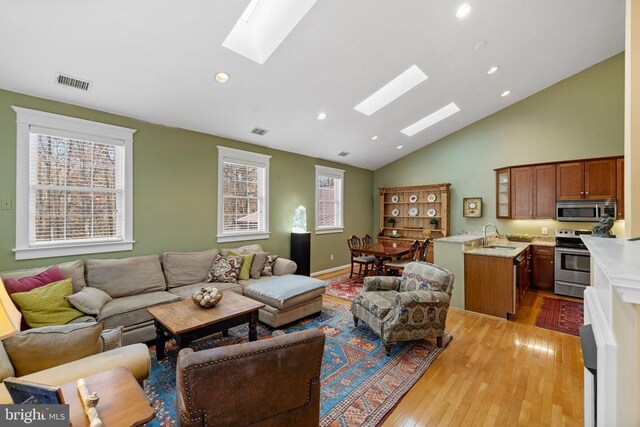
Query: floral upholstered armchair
x,y
411,307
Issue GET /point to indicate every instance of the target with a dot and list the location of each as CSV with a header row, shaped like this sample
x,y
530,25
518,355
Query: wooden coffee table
x,y
122,401
184,321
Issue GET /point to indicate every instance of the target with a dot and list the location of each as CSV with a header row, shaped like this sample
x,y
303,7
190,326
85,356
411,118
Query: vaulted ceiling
x,y
156,61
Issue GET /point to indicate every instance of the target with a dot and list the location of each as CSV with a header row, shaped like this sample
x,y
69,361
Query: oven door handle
x,y
573,251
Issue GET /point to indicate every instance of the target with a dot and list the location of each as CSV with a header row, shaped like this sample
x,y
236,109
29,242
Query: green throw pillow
x,y
47,305
245,269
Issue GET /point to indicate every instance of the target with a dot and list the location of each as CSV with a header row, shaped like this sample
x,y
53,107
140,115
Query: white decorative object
x,y
413,211
395,212
89,401
300,220
431,212
431,198
394,199
413,198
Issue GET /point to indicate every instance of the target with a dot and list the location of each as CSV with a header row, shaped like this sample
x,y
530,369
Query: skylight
x,y
431,119
263,25
397,87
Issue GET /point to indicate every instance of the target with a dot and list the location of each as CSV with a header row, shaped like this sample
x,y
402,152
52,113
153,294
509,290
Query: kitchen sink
x,y
499,247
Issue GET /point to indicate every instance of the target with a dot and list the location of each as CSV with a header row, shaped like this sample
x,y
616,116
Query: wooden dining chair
x,y
396,267
359,259
424,246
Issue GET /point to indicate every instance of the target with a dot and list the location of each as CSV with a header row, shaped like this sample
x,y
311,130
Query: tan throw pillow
x,y
89,300
43,348
225,269
112,338
258,264
268,265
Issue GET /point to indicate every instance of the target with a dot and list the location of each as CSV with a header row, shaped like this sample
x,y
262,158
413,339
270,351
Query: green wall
x,y
175,190
580,117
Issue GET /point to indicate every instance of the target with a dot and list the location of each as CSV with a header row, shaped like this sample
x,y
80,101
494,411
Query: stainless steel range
x,y
572,263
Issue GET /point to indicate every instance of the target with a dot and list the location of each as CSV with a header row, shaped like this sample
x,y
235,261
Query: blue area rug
x,y
360,384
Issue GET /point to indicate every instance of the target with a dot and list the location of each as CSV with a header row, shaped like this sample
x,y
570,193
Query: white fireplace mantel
x,y
620,261
612,307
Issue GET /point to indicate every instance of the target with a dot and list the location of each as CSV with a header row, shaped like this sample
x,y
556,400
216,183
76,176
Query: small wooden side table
x,y
122,400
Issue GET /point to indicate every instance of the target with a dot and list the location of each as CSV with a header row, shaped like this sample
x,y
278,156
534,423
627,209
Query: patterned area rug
x,y
561,315
344,287
360,384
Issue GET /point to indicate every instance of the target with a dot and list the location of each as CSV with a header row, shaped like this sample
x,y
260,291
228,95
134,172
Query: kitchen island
x,y
490,279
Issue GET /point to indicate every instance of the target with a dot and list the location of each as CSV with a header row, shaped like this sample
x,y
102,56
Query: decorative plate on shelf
x,y
413,211
413,198
394,199
431,212
431,198
395,212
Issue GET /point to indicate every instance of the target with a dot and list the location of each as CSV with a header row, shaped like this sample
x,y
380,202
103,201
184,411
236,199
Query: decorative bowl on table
x,y
207,297
519,238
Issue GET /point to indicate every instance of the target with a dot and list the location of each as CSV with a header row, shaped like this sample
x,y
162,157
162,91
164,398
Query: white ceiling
x,y
156,61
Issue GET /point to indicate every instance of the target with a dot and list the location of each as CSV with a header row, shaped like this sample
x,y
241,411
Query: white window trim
x,y
25,118
243,157
334,173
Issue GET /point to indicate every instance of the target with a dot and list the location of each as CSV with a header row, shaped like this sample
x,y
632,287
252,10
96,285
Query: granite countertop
x,y
511,249
460,238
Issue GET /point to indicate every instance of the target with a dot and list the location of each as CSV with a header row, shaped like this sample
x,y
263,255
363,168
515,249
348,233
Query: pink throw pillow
x,y
50,275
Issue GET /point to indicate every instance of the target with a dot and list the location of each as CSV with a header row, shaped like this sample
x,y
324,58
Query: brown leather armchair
x,y
271,382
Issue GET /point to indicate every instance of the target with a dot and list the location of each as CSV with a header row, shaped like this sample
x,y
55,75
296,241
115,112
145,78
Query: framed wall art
x,y
472,207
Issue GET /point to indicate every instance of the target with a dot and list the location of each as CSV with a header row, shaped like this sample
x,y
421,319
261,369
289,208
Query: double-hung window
x,y
329,200
243,195
74,189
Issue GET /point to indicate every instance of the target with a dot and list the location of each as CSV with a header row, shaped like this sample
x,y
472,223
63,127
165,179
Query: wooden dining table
x,y
383,250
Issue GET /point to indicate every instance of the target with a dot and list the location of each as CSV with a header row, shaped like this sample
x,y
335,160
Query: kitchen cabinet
x,y
503,197
591,179
490,285
620,187
570,181
543,273
600,179
533,192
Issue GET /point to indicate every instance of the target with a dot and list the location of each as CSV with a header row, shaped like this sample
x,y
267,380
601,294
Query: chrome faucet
x,y
484,232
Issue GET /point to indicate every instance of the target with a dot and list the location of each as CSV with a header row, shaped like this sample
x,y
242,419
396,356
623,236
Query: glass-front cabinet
x,y
503,188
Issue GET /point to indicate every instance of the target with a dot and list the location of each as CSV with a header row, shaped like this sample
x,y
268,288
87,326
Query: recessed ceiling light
x,y
264,25
431,119
463,10
322,116
399,147
505,93
222,77
397,87
493,69
374,137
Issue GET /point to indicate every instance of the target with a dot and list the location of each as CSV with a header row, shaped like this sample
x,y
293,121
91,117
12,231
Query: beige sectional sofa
x,y
137,283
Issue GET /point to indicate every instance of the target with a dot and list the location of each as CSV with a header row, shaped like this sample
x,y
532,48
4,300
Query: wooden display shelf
x,y
410,203
416,217
412,227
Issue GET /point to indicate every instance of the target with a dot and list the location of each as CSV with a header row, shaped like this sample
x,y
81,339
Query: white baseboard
x,y
329,270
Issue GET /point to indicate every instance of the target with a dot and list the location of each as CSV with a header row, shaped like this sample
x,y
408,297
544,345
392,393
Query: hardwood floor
x,y
497,372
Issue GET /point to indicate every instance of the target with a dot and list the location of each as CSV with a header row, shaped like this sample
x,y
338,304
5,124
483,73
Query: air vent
x,y
61,79
259,131
343,154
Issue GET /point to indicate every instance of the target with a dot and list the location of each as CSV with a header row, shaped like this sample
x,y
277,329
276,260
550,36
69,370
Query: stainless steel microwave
x,y
586,210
